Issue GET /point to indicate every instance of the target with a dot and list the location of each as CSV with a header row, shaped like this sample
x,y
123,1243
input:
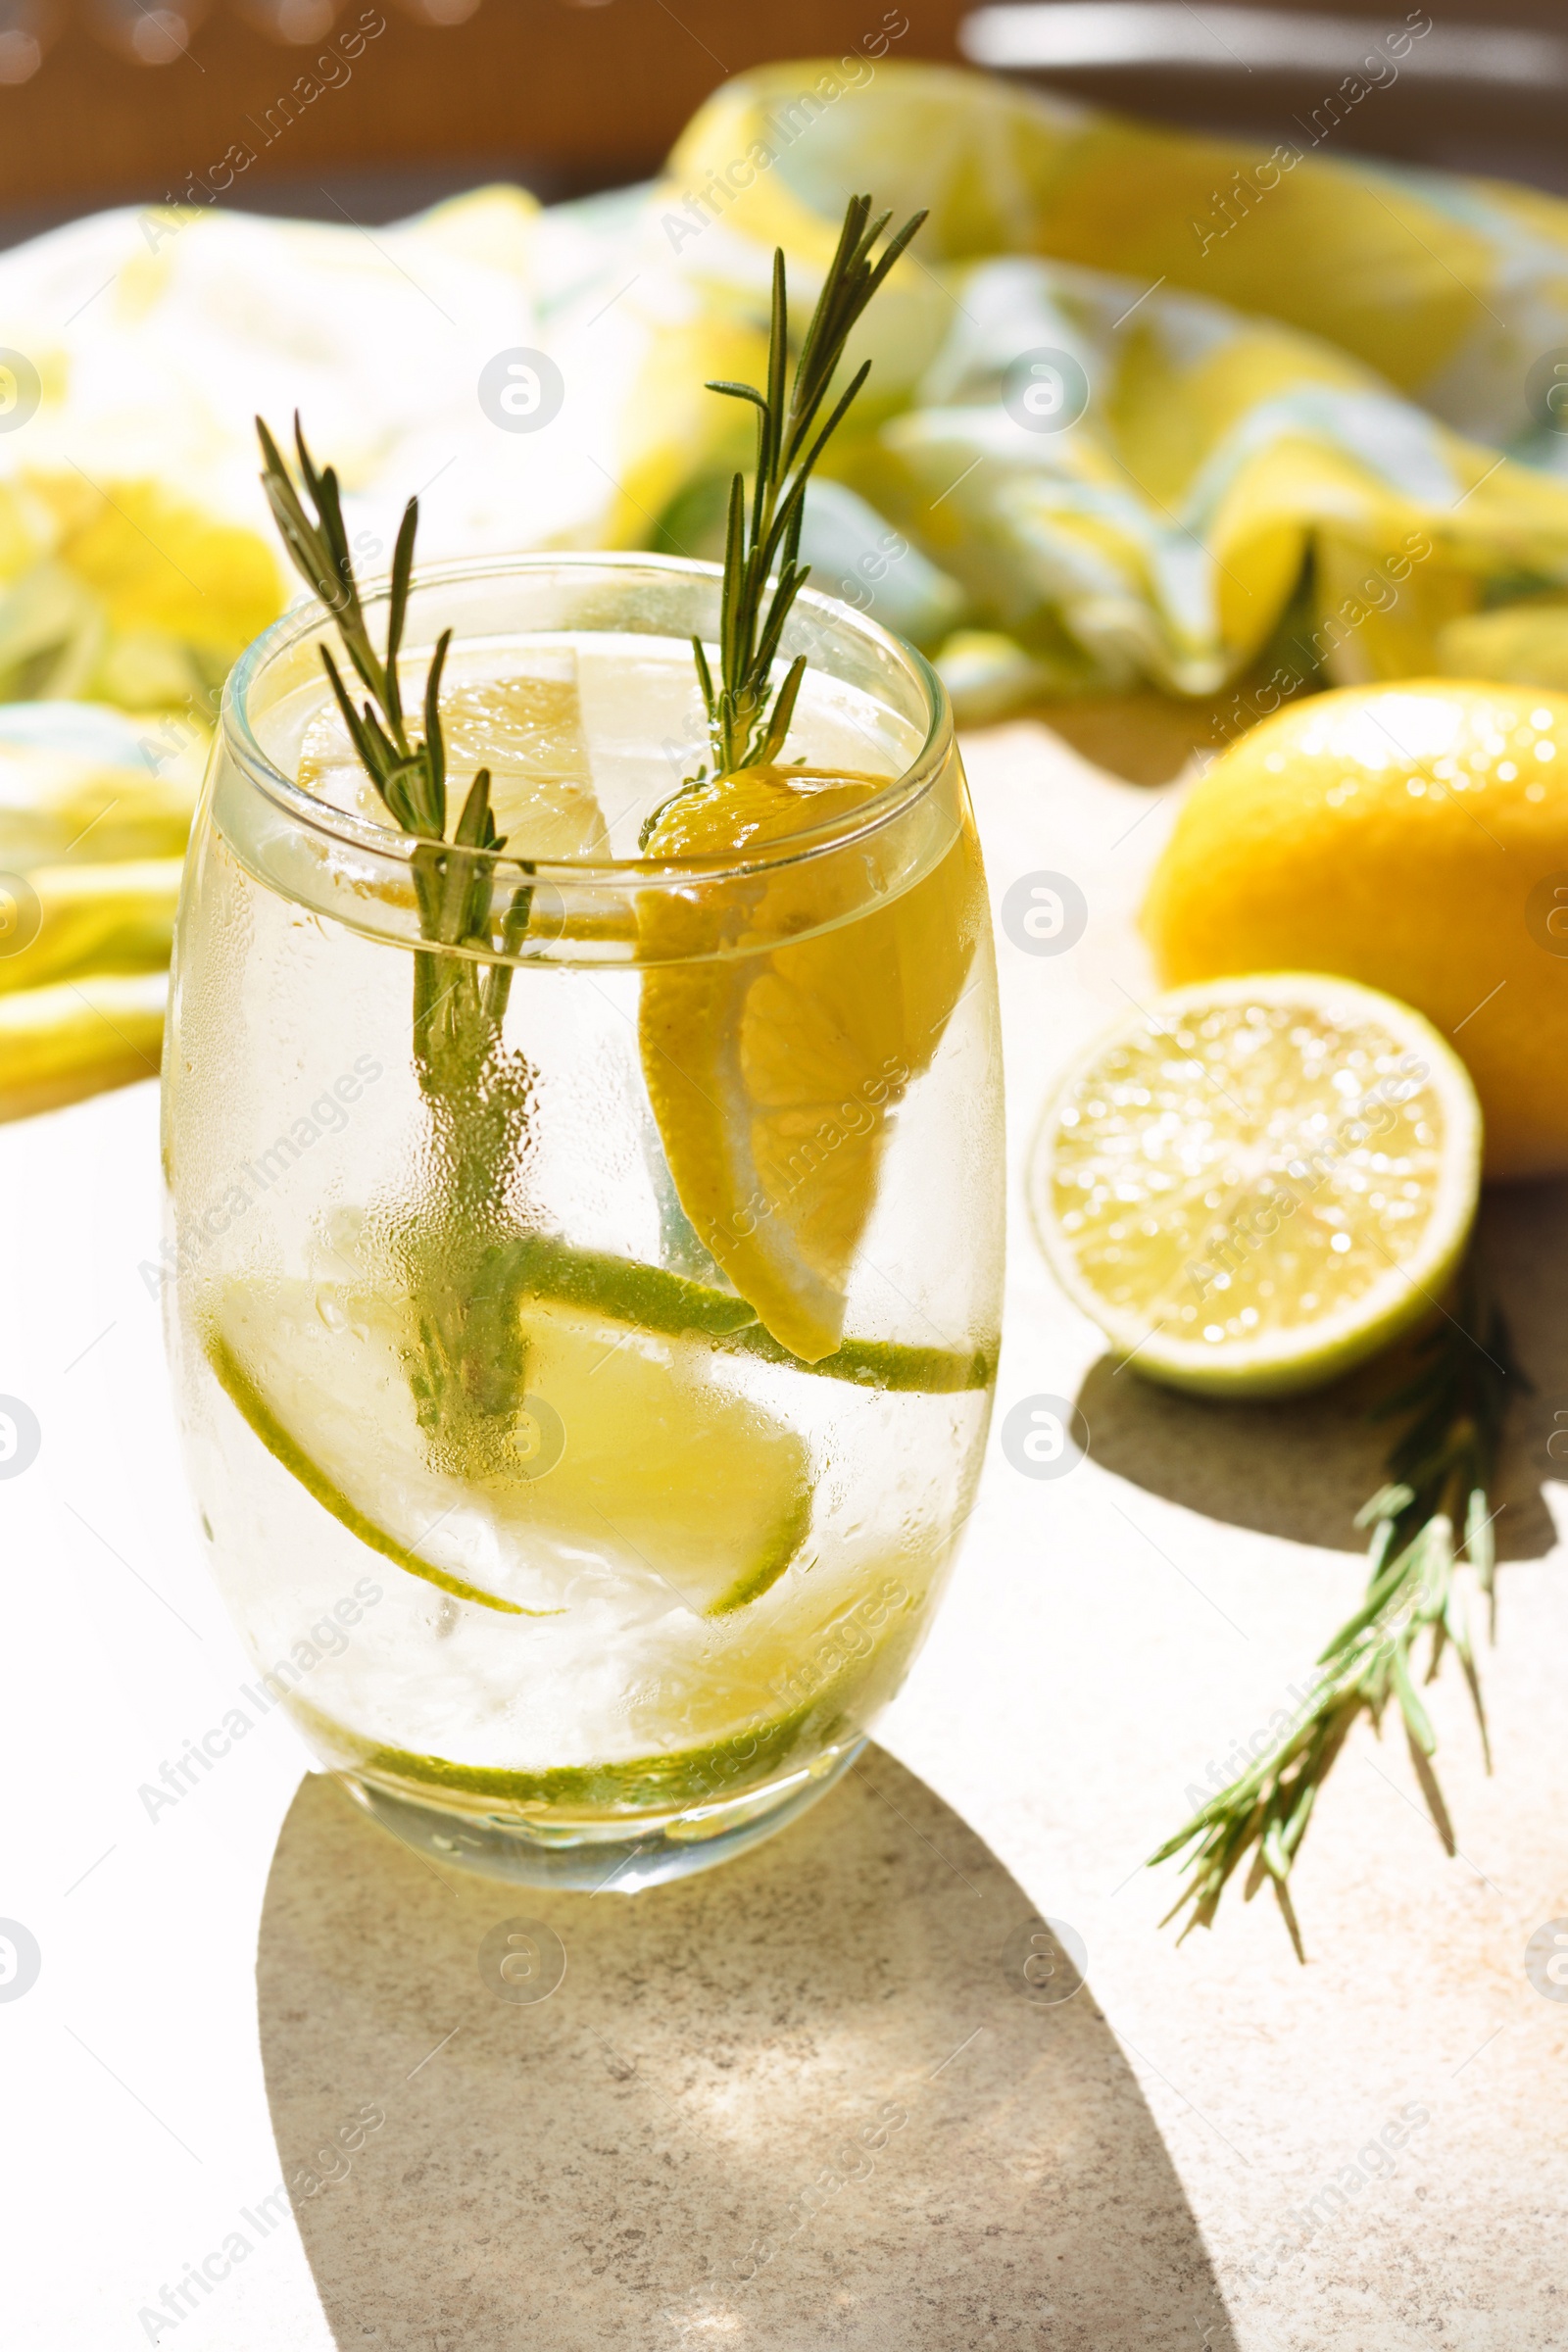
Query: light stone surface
x,y
1074,2177
807,2099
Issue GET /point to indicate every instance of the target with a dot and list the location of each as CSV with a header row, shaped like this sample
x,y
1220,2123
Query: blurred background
x,y
123,101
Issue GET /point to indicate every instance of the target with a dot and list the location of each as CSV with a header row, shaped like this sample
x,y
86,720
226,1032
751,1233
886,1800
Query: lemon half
x,y
1253,1183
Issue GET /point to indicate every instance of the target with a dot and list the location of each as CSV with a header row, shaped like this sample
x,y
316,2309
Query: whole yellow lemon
x,y
1414,837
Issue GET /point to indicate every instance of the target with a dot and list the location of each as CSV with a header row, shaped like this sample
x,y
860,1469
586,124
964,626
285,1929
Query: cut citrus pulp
x,y
525,728
772,1073
1259,1182
630,1456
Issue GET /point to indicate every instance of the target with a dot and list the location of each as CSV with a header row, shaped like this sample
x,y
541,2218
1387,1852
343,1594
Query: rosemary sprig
x,y
468,1376
1428,1518
409,774
747,723
457,1010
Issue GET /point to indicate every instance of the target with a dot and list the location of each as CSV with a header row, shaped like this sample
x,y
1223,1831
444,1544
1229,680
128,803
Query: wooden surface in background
x,y
575,94
582,96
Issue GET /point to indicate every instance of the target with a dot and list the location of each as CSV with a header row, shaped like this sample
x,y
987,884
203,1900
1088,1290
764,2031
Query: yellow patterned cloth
x,y
124,593
1297,378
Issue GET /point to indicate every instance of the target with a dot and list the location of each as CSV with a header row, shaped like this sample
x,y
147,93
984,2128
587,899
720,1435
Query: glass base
x,y
619,1856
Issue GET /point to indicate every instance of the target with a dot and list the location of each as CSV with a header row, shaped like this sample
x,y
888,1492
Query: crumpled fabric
x,y
1317,422
126,593
1302,376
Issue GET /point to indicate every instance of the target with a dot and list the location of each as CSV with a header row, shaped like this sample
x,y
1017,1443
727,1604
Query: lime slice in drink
x,y
631,1460
1254,1183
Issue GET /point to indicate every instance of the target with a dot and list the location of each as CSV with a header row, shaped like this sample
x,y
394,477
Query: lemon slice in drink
x,y
631,1458
526,728
773,1074
1256,1183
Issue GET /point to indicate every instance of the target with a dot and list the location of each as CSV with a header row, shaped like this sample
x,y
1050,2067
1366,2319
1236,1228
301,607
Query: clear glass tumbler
x,y
583,1312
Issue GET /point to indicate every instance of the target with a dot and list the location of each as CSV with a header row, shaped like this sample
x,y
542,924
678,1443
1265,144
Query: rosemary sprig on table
x,y
747,723
1429,1516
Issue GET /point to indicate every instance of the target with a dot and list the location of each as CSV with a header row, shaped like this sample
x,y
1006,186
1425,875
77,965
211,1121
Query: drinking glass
x,y
583,1305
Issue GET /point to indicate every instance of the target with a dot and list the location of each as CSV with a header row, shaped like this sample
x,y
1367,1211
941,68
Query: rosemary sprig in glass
x,y
458,1006
467,1379
1429,1517
747,722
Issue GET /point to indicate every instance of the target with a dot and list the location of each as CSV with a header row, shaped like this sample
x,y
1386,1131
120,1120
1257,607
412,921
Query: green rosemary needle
x,y
747,722
1429,1516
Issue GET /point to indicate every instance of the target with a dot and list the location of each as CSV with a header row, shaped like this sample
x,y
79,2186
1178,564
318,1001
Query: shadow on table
x,y
1302,1467
807,2099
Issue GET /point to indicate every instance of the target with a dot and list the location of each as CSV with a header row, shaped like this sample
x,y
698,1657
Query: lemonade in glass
x,y
589,1249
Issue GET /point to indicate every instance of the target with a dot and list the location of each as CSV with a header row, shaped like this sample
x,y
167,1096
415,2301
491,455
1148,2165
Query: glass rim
x,y
307,615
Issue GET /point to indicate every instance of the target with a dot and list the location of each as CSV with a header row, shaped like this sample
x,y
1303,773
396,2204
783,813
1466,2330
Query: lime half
x,y
1251,1185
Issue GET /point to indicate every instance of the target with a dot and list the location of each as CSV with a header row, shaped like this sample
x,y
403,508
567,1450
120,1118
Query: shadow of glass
x,y
831,2092
1303,1466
